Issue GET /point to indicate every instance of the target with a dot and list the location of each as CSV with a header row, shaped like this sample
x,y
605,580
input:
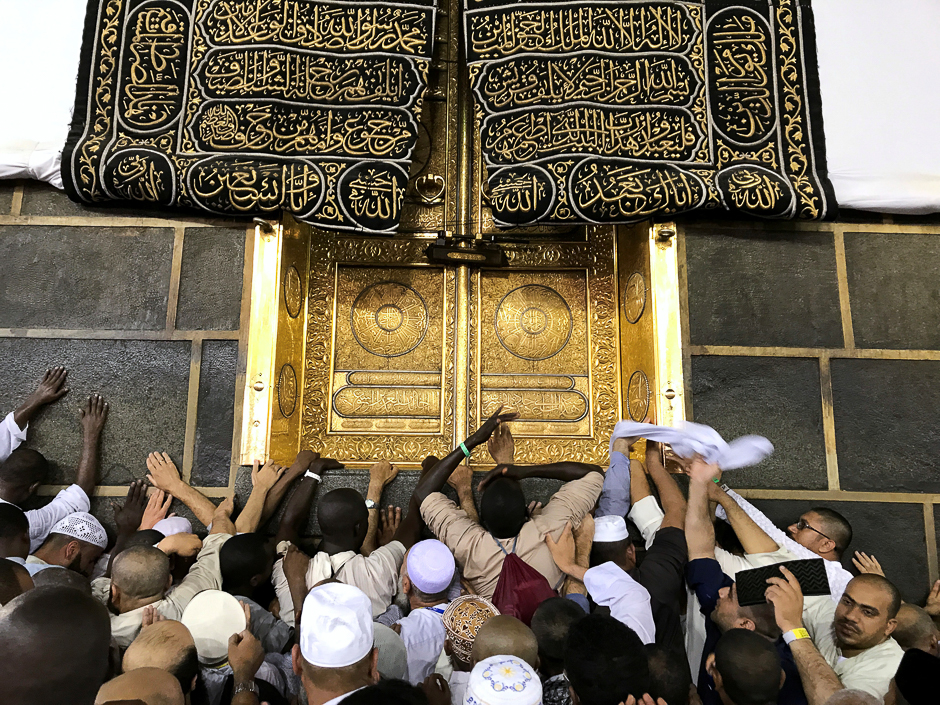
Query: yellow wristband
x,y
795,634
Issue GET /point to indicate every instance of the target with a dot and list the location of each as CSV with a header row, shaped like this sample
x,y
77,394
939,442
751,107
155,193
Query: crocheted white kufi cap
x,y
336,626
431,566
84,527
212,617
501,680
610,528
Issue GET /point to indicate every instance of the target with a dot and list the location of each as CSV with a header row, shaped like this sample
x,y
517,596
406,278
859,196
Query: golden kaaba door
x,y
378,353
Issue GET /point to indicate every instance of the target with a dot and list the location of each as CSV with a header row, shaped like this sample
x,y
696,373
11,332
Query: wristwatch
x,y
246,687
312,475
795,634
370,504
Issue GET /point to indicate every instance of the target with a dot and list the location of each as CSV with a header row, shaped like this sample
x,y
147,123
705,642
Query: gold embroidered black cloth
x,y
245,107
609,111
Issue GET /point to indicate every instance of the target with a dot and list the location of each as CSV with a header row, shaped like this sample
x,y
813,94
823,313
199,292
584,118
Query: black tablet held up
x,y
752,584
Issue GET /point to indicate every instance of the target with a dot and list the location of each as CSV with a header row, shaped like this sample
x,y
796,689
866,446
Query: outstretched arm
x,y
93,417
51,388
162,473
566,471
262,480
752,537
435,478
380,474
670,496
298,506
298,467
699,530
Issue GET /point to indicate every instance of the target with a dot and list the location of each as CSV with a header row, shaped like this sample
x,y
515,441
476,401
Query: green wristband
x,y
463,447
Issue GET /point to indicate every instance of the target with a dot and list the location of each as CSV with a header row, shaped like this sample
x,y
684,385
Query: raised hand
x,y
151,616
185,545
128,516
482,434
461,478
383,472
786,595
157,507
94,415
389,521
267,476
563,550
436,690
700,471
933,601
245,655
501,445
867,564
162,472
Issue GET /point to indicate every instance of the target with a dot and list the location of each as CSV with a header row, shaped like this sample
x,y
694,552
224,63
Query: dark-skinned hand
x,y
482,434
128,516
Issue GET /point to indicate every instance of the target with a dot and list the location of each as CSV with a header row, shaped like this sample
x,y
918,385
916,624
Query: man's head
x,y
728,614
867,613
76,542
146,537
140,575
503,508
336,651
14,532
551,623
22,473
166,645
427,572
916,630
917,681
463,619
343,517
150,686
506,636
669,675
746,669
604,662
504,680
823,531
43,626
246,562
14,580
612,543
60,577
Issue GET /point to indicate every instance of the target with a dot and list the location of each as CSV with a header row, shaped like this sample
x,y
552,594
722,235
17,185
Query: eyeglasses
x,y
803,524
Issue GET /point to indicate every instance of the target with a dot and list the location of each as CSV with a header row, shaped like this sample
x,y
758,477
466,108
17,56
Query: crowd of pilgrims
x,y
620,589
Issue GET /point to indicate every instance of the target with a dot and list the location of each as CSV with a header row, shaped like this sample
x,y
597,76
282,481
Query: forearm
x,y
820,682
465,500
249,519
374,493
699,530
297,585
752,537
409,531
670,496
276,494
24,413
565,471
639,482
297,510
435,478
198,503
87,476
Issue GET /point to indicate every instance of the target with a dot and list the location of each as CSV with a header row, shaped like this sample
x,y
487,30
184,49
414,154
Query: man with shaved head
x,y
150,686
916,630
14,581
503,635
140,577
55,644
166,645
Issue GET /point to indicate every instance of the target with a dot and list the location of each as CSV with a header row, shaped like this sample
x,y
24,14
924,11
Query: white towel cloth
x,y
695,438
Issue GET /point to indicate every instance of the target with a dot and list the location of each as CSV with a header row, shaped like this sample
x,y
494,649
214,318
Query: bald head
x,y
61,629
342,514
148,685
503,635
141,572
58,577
168,646
916,629
14,580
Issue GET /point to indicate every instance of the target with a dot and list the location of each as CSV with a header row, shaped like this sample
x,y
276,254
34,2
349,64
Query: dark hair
x,y
342,511
609,551
551,623
241,558
24,467
13,521
894,605
764,618
186,668
605,661
836,527
749,666
145,537
59,577
388,692
669,675
503,508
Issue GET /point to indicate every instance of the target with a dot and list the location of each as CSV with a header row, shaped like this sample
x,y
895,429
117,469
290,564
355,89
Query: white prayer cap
x,y
393,657
174,525
431,566
336,626
501,680
610,528
212,617
84,527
